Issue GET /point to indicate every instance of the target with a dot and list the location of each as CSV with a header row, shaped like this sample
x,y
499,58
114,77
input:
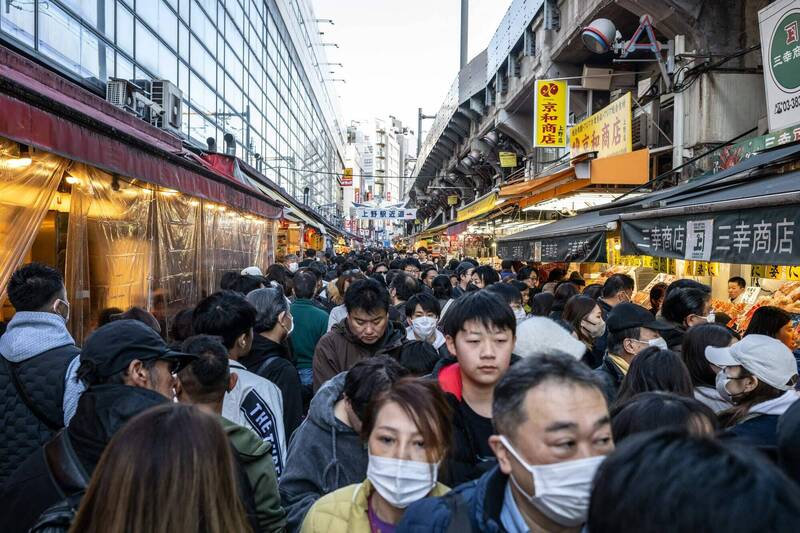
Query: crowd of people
x,y
387,391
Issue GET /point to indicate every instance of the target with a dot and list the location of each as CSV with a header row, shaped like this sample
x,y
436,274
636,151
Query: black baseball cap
x,y
463,268
111,348
628,316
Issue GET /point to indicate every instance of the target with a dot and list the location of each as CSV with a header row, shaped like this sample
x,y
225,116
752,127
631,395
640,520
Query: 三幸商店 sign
x,y
753,236
779,24
578,248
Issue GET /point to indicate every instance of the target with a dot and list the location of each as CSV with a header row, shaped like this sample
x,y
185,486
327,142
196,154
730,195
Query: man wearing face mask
x,y
38,367
290,262
269,354
422,315
552,433
631,328
127,368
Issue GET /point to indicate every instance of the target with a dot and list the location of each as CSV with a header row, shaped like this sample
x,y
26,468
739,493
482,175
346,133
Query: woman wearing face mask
x,y
703,373
407,430
685,308
757,375
583,313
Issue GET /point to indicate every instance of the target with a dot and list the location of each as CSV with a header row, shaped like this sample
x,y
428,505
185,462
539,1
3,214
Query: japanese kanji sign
x,y
753,236
580,248
347,177
385,213
779,24
550,106
607,132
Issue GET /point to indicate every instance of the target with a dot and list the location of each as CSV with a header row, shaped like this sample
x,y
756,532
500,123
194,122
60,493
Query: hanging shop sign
x,y
736,153
608,132
508,159
392,214
452,199
476,208
752,236
347,178
550,122
779,24
581,248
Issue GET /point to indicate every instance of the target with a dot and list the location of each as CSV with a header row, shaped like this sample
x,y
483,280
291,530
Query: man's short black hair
x,y
422,249
739,281
228,280
616,284
419,358
368,378
206,379
507,264
427,301
487,274
310,253
367,295
305,285
671,480
508,404
405,286
509,293
524,273
410,261
34,286
680,303
617,338
226,314
649,411
244,284
480,306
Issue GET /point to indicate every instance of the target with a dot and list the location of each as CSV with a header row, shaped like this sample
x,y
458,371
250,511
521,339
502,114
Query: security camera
x,y
600,36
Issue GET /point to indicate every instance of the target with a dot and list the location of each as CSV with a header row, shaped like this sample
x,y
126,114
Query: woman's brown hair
x,y
577,308
347,278
168,470
424,402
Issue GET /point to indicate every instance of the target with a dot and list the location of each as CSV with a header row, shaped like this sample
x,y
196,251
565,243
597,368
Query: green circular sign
x,y
784,57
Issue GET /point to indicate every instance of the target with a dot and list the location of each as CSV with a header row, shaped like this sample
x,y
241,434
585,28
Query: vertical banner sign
x,y
357,195
550,122
608,132
779,24
347,178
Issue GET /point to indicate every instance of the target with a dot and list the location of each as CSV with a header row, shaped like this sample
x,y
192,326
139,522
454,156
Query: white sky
x,y
399,55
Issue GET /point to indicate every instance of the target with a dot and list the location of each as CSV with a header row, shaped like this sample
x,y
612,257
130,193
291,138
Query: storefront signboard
x,y
751,236
608,132
391,214
580,248
550,107
779,24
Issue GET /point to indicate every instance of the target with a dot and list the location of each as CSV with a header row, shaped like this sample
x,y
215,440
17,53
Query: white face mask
x,y
423,327
561,490
401,482
520,314
658,342
293,267
595,330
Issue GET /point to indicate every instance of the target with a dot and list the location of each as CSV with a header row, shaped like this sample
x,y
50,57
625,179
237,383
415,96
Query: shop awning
x,y
46,111
739,219
478,207
620,170
526,187
579,239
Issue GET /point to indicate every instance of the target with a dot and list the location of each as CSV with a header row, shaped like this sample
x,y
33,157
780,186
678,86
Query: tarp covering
x,y
25,196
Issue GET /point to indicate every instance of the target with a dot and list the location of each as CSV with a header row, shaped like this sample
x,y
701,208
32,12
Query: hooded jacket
x,y
44,359
340,349
255,457
102,411
325,454
271,361
345,511
760,427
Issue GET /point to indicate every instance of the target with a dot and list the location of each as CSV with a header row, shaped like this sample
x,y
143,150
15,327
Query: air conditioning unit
x,y
133,96
170,98
644,132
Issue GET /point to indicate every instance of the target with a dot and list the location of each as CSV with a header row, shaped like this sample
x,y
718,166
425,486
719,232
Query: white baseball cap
x,y
766,358
252,271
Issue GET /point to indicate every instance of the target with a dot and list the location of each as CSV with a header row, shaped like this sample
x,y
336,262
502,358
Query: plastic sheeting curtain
x,y
233,240
177,282
27,189
109,246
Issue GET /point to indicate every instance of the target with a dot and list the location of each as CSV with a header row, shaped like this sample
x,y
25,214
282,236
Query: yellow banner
x,y
793,273
550,122
508,159
767,271
477,208
664,265
607,132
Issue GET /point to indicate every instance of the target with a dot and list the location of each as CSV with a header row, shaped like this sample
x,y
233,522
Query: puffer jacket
x,y
325,454
482,500
40,351
340,349
345,511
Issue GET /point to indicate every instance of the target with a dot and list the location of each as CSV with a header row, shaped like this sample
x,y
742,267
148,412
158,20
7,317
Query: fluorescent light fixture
x,y
576,202
72,180
19,162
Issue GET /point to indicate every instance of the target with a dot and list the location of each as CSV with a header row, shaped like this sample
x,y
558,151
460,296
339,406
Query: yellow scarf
x,y
621,363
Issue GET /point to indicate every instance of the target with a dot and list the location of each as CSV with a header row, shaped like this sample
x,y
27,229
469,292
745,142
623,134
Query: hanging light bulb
x,y
23,161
